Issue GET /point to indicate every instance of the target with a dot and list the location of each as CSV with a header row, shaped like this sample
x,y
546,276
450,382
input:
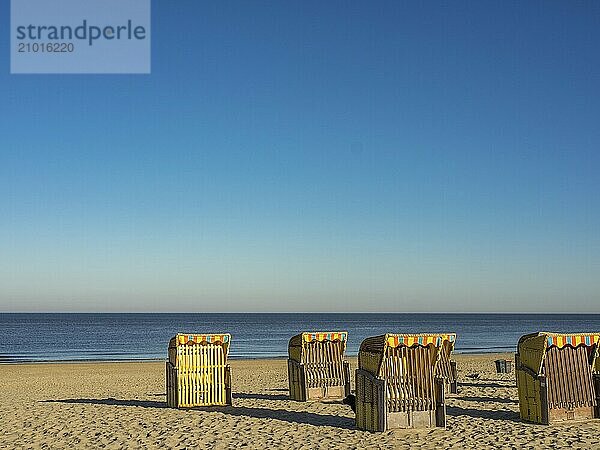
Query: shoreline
x,y
230,358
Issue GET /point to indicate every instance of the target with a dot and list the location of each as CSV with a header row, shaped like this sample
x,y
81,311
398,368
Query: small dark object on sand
x,y
350,401
473,376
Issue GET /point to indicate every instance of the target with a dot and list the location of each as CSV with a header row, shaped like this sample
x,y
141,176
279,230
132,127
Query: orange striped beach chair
x,y
317,368
197,373
398,384
558,376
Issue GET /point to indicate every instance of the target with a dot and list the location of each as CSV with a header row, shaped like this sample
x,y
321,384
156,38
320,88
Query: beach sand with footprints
x,y
122,405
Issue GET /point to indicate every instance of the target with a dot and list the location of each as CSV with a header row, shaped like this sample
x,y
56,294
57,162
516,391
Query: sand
x,y
121,405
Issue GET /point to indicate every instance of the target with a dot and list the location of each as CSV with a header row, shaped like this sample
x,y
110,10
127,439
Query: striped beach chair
x,y
317,369
558,376
446,368
397,381
197,373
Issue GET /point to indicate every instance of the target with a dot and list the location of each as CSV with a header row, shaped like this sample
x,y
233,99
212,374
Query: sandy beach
x,y
122,405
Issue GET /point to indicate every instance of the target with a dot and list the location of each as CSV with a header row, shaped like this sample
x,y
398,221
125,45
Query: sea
x,y
43,337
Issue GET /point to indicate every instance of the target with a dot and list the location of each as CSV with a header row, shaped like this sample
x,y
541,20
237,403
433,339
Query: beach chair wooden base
x,y
302,390
373,411
453,387
597,390
453,381
560,415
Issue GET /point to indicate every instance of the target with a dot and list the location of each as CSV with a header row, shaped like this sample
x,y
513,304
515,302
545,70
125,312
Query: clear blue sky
x,y
313,156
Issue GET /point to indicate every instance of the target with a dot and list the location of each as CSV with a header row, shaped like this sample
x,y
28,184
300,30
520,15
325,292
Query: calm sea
x,y
66,337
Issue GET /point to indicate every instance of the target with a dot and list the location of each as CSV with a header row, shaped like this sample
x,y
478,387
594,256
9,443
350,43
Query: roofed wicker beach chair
x,y
397,381
317,369
558,376
197,373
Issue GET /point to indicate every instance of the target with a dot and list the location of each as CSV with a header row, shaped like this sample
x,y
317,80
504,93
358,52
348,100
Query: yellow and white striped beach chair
x,y
197,373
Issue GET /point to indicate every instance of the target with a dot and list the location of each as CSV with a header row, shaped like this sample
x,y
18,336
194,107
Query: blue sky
x,y
313,156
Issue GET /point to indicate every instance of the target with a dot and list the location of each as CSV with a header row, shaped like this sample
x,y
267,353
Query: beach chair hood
x,y
181,339
532,348
298,344
373,349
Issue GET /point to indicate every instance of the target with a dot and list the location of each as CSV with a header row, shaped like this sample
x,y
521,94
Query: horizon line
x,y
300,312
